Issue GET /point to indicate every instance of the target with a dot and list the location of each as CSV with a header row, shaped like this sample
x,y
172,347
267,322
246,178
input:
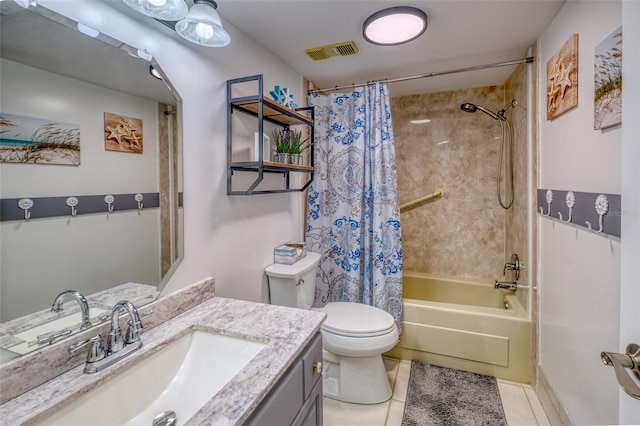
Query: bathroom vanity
x,y
280,383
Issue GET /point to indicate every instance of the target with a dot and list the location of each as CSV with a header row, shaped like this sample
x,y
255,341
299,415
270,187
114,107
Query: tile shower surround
x,y
463,233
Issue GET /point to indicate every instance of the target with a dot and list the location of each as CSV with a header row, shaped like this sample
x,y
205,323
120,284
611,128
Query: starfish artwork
x,y
562,79
122,133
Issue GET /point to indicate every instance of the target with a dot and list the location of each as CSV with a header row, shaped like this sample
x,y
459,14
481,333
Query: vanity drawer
x,y
312,362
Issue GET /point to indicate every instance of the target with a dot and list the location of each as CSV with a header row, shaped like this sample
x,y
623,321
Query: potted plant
x,y
296,146
281,140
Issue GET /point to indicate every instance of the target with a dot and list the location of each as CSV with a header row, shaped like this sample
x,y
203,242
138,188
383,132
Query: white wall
x,y
579,271
630,284
228,237
43,257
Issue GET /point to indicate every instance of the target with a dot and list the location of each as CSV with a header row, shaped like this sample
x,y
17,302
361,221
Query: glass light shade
x,y
395,25
168,10
203,26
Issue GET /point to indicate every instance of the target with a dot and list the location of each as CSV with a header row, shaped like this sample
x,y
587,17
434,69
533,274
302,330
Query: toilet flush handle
x,y
300,282
318,367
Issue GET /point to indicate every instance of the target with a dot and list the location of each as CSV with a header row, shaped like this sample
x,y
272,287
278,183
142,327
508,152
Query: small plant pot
x,y
280,157
296,159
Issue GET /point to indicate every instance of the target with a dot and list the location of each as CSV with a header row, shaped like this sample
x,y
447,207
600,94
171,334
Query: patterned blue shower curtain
x,y
353,216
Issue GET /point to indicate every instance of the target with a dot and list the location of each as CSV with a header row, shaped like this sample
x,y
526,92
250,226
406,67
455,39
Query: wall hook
x,y
109,199
25,204
549,198
570,199
139,198
72,202
602,207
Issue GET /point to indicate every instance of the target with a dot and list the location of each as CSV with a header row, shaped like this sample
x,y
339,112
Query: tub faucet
x,y
78,297
512,286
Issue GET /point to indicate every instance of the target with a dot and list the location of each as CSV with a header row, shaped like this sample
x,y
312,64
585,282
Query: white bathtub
x,y
464,324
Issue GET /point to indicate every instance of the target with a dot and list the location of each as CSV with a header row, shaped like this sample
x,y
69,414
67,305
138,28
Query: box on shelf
x,y
289,253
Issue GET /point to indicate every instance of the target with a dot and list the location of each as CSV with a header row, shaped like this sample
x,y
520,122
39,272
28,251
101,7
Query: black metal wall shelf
x,y
598,212
265,109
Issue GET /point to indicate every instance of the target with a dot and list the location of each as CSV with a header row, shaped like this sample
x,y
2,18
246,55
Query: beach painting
x,y
33,140
608,81
122,133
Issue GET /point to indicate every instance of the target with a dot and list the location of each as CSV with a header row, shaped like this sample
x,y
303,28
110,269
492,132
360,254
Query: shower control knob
x,y
318,367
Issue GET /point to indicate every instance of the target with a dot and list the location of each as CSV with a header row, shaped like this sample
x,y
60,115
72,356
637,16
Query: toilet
x,y
354,335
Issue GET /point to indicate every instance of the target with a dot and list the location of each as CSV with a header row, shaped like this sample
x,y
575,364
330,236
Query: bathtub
x,y
464,324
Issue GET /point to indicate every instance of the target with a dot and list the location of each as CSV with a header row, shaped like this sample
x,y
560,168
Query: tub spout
x,y
506,285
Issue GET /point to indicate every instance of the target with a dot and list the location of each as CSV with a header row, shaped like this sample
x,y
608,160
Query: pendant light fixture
x,y
167,10
395,25
203,26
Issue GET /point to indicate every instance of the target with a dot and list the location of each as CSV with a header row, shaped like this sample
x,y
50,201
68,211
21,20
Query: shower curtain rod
x,y
526,60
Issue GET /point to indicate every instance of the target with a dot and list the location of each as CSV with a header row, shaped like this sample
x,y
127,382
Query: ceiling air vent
x,y
344,48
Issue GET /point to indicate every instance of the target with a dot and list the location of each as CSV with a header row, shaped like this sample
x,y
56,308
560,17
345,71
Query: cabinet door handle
x,y
621,362
318,367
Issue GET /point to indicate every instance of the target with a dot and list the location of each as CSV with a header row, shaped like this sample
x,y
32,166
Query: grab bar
x,y
426,199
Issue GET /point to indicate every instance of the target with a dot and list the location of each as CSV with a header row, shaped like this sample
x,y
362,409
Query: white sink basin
x,y
181,377
72,321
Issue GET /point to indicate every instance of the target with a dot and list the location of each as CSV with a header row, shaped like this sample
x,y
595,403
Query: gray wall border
x,y
44,207
583,211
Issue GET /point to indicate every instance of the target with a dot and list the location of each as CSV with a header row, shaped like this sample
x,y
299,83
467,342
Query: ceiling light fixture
x,y
168,10
87,30
395,25
154,72
203,26
27,3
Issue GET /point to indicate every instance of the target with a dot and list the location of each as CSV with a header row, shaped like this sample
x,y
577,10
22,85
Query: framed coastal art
x,y
607,79
562,79
32,140
122,133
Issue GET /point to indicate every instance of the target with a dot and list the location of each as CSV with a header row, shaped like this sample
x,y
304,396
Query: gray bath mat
x,y
442,396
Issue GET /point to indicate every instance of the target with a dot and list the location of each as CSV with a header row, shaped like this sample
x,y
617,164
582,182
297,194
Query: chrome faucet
x,y
78,297
116,342
512,286
118,346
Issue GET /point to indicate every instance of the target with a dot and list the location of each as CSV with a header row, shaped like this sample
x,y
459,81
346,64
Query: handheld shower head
x,y
467,107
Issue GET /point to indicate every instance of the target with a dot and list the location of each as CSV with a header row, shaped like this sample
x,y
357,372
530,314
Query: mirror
x,y
113,142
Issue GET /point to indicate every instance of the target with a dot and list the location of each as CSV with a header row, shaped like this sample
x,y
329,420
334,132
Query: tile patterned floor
x,y
520,403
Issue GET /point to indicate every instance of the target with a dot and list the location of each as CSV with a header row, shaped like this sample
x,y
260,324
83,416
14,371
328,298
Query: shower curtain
x,y
353,216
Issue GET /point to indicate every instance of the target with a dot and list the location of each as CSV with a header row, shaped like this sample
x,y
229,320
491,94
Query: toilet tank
x,y
294,285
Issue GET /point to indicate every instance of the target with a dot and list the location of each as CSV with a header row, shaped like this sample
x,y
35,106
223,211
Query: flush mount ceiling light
x,y
168,10
395,25
202,25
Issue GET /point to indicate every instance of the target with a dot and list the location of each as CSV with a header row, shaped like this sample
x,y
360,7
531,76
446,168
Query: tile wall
x,y
463,233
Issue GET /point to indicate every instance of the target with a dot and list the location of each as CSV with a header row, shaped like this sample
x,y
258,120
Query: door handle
x,y
622,362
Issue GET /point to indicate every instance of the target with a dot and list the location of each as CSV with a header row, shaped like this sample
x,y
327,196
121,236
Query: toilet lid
x,y
356,320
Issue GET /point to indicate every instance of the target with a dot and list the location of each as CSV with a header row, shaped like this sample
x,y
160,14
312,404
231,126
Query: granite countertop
x,y
284,330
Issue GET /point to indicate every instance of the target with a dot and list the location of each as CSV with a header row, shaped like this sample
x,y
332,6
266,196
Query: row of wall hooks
x,y
42,207
583,209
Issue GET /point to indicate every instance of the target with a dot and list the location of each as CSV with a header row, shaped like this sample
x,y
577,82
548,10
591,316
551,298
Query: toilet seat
x,y
357,330
356,320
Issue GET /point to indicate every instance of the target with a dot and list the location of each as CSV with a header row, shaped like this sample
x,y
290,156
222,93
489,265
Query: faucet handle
x,y
96,350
